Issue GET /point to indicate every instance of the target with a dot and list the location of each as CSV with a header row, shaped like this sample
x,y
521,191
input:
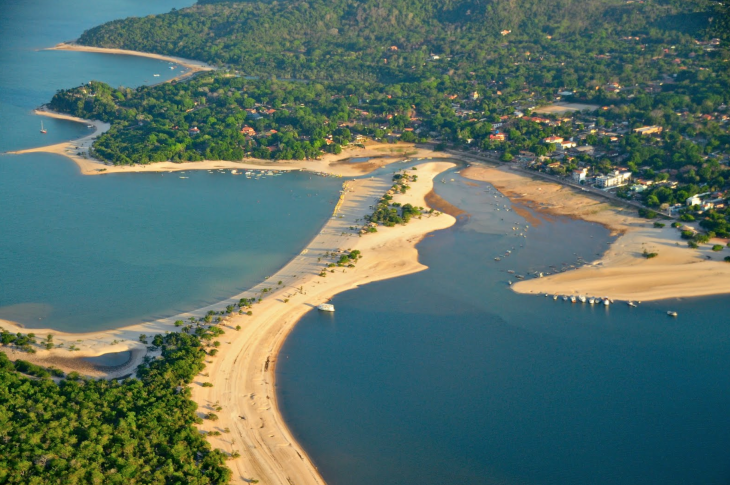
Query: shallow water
x,y
446,376
112,359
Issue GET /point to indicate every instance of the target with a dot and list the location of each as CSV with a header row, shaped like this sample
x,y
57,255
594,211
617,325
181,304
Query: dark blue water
x,y
112,359
81,253
446,376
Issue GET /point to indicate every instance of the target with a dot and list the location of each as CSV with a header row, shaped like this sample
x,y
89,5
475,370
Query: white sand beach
x,y
623,272
192,65
243,382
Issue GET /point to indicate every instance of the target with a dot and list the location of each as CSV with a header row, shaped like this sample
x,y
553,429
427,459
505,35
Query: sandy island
x,y
622,273
243,372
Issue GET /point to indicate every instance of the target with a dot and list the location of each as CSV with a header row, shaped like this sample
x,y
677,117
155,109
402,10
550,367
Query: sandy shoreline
x,y
192,65
77,150
622,273
243,384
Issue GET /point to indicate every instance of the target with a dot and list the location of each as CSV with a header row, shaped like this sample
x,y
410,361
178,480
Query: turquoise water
x,y
88,252
82,253
446,376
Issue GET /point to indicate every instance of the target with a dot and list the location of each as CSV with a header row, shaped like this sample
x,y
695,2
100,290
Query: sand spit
x,y
243,372
192,66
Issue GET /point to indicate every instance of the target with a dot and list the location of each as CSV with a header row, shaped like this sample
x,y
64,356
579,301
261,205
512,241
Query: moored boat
x,y
671,313
606,302
326,307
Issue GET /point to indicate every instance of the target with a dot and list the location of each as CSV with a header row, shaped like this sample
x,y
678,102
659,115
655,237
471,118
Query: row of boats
x,y
606,301
591,300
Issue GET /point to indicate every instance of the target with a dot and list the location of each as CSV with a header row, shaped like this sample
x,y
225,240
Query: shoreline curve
x,y
244,376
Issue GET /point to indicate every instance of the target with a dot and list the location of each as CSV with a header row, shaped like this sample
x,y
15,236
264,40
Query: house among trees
x,y
247,130
579,175
613,179
648,130
553,139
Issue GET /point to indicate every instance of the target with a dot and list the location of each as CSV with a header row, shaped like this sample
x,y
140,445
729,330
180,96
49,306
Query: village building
x,y
648,130
579,175
613,179
553,139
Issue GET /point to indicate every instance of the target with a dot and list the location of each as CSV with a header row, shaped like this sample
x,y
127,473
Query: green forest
x,y
464,74
82,431
298,79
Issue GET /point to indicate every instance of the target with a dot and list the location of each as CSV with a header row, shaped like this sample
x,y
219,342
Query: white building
x,y
614,179
580,175
696,199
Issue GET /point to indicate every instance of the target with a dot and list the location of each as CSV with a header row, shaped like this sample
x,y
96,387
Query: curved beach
x,y
622,273
192,65
242,373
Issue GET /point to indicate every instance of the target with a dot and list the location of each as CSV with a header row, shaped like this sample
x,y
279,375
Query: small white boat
x,y
582,298
672,314
555,297
632,304
156,75
43,130
572,298
606,302
565,298
326,307
591,301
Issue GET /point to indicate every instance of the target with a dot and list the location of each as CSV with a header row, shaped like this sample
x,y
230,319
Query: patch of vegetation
x,y
114,432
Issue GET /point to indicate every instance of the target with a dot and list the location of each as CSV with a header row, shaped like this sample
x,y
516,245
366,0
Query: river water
x,y
81,253
447,376
444,376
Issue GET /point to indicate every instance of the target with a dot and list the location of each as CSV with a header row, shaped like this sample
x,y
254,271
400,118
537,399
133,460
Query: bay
x,y
81,253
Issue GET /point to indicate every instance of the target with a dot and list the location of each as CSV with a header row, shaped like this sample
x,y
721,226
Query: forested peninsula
x,y
645,84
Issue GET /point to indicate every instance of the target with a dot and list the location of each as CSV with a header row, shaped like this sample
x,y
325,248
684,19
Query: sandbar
x,y
622,273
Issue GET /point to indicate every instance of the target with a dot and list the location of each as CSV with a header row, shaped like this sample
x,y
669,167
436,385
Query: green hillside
x,y
349,39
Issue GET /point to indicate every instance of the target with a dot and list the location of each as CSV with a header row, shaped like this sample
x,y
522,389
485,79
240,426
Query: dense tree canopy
x,y
106,432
